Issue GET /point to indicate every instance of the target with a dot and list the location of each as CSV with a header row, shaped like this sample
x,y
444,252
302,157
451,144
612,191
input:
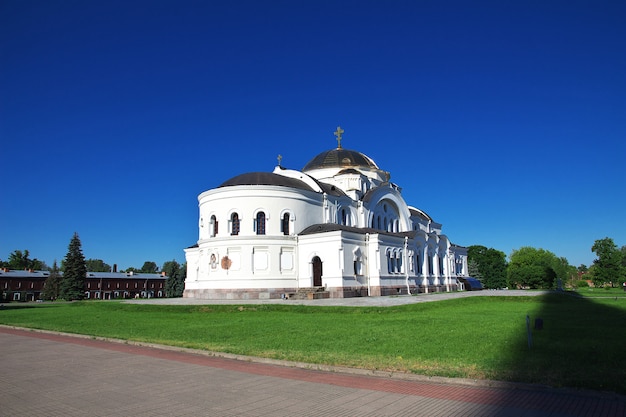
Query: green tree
x,y
20,260
149,267
176,274
608,264
473,269
73,282
97,265
52,286
535,268
491,265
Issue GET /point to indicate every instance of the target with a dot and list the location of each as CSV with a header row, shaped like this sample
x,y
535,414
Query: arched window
x,y
343,217
430,264
391,260
418,261
213,226
358,266
285,224
260,223
234,224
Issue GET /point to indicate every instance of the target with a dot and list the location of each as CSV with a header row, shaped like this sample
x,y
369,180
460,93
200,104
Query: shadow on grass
x,y
582,343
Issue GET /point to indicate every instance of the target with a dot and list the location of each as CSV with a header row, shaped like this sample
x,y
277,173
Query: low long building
x,y
27,285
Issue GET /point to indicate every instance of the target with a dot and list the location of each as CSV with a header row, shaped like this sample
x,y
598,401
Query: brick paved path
x,y
45,374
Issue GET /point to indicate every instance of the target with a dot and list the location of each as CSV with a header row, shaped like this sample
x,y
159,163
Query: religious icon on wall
x,y
213,261
226,263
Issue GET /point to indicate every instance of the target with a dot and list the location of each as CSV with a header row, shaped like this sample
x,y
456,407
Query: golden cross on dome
x,y
338,133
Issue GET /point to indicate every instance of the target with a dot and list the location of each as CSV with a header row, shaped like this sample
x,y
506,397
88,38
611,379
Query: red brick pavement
x,y
561,402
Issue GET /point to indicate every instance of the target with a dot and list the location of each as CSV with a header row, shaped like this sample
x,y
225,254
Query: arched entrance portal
x,y
317,271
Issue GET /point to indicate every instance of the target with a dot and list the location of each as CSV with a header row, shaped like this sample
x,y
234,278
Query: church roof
x,y
266,178
333,227
340,158
270,178
419,213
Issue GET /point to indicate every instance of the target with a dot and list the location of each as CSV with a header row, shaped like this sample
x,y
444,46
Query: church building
x,y
337,228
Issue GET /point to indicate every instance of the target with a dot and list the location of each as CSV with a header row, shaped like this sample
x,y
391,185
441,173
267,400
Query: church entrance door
x,y
317,271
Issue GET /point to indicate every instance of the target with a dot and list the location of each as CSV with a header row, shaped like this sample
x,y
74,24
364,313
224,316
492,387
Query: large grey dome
x,y
340,158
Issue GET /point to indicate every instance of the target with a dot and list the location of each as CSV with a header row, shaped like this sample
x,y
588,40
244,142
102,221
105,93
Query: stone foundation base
x,y
333,292
239,294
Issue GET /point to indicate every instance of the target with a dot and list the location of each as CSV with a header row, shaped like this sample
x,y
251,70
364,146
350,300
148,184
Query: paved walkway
x,y
49,374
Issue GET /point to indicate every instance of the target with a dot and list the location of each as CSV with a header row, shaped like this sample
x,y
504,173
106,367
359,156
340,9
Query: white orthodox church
x,y
338,227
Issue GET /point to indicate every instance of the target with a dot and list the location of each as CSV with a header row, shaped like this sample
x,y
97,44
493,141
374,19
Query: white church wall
x,y
303,206
256,259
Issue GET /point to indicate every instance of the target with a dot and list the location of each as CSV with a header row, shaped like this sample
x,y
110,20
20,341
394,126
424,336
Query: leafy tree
x,y
52,286
149,268
175,284
73,282
491,265
20,260
570,272
608,265
535,268
97,265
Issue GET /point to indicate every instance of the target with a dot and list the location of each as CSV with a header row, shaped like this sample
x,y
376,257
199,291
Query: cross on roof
x,y
280,158
338,133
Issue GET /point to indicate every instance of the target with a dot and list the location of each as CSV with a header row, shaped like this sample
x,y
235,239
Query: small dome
x,y
340,158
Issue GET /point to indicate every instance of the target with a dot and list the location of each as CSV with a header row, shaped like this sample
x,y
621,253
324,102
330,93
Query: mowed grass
x,y
581,345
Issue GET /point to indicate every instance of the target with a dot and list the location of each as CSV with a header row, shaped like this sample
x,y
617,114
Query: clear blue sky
x,y
503,120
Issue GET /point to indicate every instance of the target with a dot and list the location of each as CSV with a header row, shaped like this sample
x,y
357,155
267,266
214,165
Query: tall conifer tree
x,y
75,271
52,285
175,284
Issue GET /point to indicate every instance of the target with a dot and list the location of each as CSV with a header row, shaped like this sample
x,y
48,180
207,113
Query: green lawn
x,y
581,345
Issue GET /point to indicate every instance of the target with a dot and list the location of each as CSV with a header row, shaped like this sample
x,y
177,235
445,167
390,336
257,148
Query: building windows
x,y
234,222
395,264
213,226
430,264
391,262
285,224
418,261
260,223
